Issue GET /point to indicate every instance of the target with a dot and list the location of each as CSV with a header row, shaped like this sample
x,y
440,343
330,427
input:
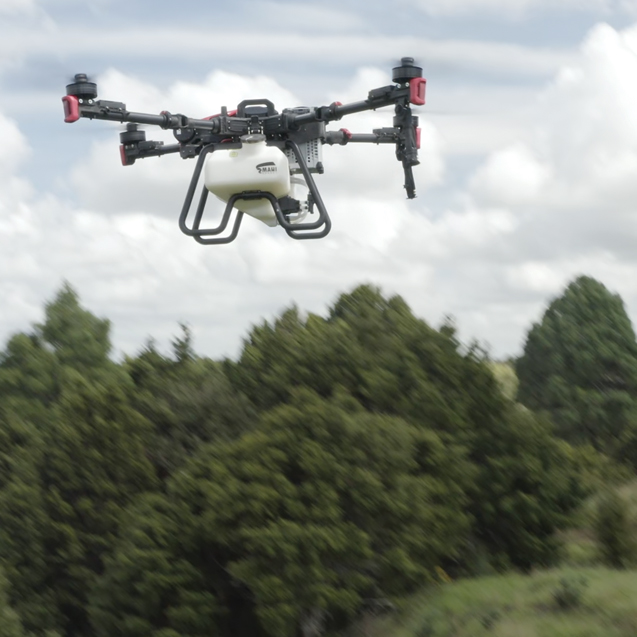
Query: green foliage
x,y
525,489
182,345
323,504
570,592
393,363
341,461
33,366
596,470
148,587
613,530
504,373
379,352
593,602
79,339
94,464
580,365
23,524
29,377
10,625
189,401
63,492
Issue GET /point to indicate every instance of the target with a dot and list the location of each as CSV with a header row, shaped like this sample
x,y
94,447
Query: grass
x,y
582,602
579,549
580,546
581,599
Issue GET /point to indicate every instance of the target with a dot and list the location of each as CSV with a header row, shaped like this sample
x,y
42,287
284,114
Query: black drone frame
x,y
287,131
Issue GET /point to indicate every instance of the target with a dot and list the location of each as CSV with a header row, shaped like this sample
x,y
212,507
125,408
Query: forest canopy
x,y
340,463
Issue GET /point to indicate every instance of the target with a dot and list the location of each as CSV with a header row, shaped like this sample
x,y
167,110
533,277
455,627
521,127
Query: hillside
x,y
585,602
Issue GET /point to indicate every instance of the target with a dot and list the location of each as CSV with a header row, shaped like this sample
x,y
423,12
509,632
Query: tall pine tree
x,y
580,366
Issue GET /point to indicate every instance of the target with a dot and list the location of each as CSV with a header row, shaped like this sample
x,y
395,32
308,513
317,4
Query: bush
x,y
612,527
570,592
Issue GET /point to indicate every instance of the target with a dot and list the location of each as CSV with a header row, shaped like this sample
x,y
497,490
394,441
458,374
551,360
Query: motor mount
x,y
406,72
82,88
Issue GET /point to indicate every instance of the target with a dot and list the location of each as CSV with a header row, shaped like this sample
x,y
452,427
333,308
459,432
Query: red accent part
x,y
346,133
338,103
417,90
122,155
418,138
71,108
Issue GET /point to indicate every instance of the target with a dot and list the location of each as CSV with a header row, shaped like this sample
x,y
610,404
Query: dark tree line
x,y
340,462
579,367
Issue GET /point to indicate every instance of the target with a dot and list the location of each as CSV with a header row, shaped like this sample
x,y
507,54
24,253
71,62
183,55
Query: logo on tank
x,y
266,167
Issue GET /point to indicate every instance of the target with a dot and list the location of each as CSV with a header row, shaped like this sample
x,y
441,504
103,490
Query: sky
x,y
528,174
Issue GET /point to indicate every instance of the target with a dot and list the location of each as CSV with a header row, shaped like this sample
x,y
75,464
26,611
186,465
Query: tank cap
x,y
253,138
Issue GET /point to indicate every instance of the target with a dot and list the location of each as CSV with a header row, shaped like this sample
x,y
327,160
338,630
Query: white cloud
x,y
581,155
199,99
291,17
15,7
553,196
628,6
14,191
14,148
510,176
590,131
21,42
567,188
520,8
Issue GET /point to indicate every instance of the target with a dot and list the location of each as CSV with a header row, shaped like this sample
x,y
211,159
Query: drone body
x,y
255,159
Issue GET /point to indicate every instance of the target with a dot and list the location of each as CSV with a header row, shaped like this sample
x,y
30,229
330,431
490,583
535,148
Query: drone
x,y
257,160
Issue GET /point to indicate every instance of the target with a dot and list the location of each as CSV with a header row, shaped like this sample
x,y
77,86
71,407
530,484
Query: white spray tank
x,y
254,166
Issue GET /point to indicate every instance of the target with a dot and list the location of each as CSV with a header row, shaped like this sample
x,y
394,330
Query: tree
x,y
524,491
580,366
613,529
93,465
394,364
379,352
79,339
24,524
10,625
182,345
149,588
504,373
322,506
33,366
29,377
189,401
377,449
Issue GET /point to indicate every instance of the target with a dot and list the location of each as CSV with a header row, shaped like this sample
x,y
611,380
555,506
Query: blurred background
x,y
423,425
526,175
